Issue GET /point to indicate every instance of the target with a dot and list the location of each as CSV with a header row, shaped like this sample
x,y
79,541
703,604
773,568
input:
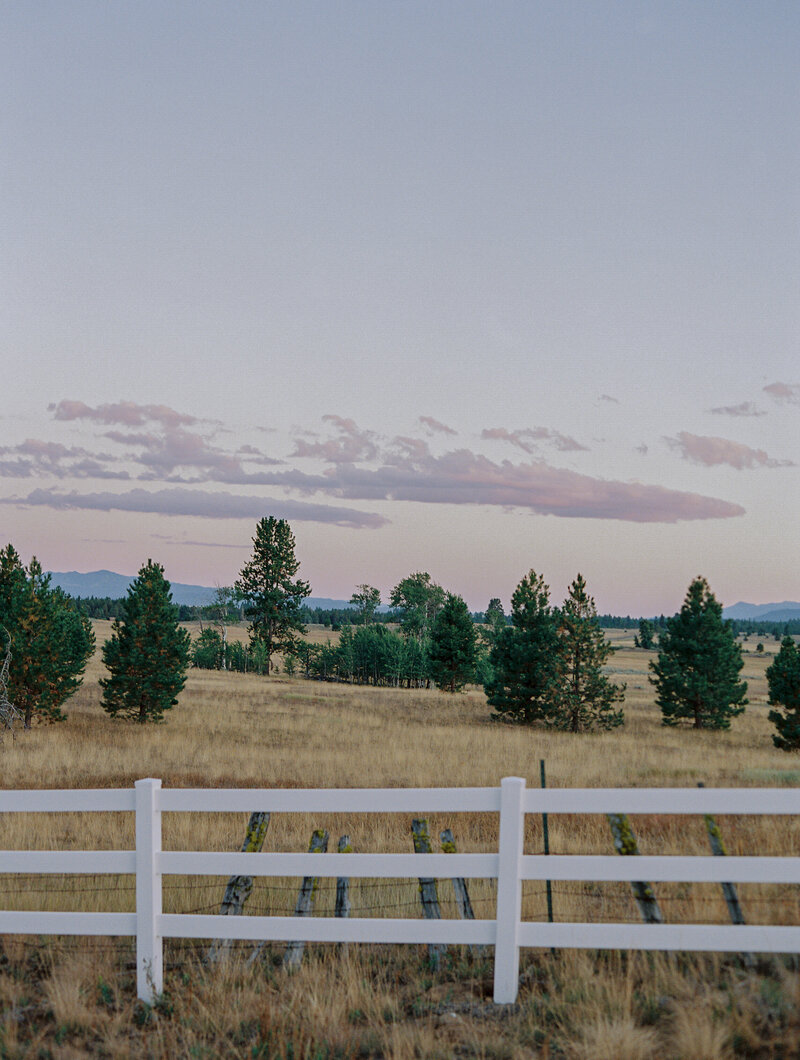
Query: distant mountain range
x,y
783,612
108,583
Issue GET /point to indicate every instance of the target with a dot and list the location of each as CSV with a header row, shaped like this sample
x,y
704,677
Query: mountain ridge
x,y
102,583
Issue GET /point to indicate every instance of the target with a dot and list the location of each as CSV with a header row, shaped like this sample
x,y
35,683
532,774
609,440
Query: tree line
x,y
542,664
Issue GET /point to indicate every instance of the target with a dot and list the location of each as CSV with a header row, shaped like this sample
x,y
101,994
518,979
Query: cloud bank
x,y
200,503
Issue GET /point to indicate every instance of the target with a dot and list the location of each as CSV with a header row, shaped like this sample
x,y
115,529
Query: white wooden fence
x,y
507,932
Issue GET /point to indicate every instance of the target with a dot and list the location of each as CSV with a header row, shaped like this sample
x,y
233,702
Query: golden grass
x,y
243,730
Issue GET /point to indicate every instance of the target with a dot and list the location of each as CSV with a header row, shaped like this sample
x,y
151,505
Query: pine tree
x,y
647,635
453,645
696,675
587,697
148,653
50,640
527,657
783,679
272,598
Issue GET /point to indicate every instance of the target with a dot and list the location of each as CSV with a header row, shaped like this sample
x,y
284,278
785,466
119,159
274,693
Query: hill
x,y
102,583
782,612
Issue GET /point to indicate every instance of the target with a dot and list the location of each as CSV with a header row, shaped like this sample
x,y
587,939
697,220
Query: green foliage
x,y
51,641
586,697
783,679
367,599
208,651
696,675
419,600
647,634
495,616
526,658
148,653
366,655
548,665
453,645
272,596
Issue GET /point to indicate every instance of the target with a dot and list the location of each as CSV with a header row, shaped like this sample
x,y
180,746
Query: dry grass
x,y
70,998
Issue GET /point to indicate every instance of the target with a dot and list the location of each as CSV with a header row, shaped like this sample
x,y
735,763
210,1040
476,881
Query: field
x,y
71,998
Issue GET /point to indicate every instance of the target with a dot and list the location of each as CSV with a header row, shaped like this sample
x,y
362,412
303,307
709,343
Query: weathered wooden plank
x,y
305,900
428,895
625,843
240,888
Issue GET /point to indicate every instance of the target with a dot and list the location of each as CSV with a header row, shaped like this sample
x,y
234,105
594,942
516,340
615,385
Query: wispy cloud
x,y
524,439
201,503
127,413
746,408
35,458
711,451
352,444
784,393
435,426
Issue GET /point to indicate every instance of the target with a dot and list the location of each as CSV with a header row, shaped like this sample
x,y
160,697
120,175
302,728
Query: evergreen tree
x,y
272,598
148,653
527,657
494,615
696,675
647,634
453,645
783,679
587,697
50,641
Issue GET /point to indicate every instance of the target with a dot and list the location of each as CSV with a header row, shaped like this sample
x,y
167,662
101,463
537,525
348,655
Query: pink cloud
x,y
200,503
435,426
784,393
352,444
746,408
464,477
523,439
711,452
127,413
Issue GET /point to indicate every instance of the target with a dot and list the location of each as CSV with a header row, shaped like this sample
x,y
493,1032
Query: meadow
x,y
66,998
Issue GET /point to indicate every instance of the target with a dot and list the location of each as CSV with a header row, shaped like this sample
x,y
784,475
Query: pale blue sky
x,y
575,220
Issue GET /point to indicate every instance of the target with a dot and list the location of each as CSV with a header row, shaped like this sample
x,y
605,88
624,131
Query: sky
x,y
465,287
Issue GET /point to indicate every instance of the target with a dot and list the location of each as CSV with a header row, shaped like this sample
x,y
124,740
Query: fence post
x,y
293,955
625,843
428,893
509,890
729,891
240,888
149,948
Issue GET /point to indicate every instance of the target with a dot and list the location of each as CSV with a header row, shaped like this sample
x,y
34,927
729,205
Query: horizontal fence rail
x,y
507,932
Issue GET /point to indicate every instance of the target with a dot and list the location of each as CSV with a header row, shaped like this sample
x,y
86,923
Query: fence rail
x,y
507,932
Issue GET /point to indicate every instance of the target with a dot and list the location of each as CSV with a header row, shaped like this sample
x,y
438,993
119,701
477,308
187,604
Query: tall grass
x,y
69,997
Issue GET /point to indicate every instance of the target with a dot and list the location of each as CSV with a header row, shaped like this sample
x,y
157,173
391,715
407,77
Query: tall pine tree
x,y
148,653
527,658
272,595
587,697
783,679
453,645
696,675
50,641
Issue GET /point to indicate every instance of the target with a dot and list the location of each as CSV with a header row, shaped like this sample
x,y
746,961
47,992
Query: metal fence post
x,y
509,890
149,947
